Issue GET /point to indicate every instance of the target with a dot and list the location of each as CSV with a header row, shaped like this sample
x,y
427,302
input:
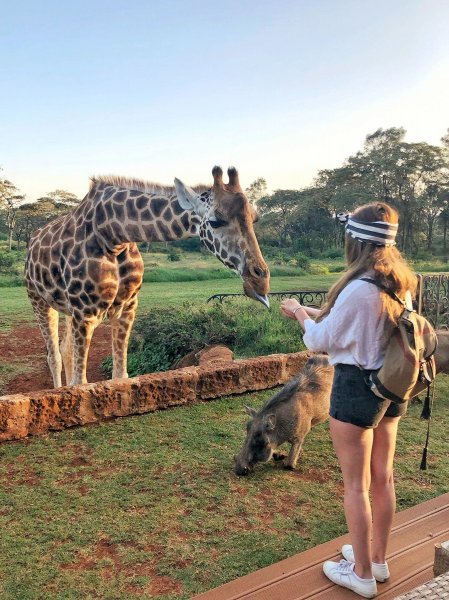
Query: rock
x,y
215,353
209,354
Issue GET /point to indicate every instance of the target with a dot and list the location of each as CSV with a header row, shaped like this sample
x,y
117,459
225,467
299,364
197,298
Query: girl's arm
x,y
292,309
312,312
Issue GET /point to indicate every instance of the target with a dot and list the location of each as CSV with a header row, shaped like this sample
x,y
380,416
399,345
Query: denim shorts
x,y
352,401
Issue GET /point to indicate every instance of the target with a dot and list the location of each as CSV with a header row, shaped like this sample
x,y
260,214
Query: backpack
x,y
409,364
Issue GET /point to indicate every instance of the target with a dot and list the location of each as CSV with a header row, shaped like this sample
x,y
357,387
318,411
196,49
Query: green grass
x,y
15,306
132,506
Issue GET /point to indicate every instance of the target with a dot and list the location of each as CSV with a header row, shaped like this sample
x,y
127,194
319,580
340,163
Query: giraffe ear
x,y
188,199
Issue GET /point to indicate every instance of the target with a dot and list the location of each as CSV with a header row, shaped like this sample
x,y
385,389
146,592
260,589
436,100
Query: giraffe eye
x,y
216,223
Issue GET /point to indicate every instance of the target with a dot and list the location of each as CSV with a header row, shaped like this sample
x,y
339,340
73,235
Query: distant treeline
x,y
412,177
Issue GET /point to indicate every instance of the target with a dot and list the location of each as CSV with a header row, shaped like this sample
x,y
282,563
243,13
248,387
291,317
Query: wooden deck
x,y
411,553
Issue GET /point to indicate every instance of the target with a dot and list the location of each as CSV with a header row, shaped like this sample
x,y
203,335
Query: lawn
x,y
145,506
15,306
149,507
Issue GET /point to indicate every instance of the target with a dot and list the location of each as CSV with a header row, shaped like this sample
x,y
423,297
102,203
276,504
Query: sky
x,y
158,89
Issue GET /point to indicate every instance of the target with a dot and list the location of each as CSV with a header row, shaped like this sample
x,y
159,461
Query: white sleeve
x,y
318,337
341,328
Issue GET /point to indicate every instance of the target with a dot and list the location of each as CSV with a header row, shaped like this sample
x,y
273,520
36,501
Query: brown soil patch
x,y
106,556
26,345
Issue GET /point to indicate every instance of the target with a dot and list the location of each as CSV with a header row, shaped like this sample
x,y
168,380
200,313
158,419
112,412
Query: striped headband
x,y
381,233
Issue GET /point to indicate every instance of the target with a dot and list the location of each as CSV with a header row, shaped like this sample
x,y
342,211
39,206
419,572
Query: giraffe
x,y
86,264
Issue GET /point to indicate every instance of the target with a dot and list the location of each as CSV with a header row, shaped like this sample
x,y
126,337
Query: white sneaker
x,y
342,573
381,571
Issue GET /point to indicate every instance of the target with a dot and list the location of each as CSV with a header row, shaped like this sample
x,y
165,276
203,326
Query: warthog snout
x,y
241,468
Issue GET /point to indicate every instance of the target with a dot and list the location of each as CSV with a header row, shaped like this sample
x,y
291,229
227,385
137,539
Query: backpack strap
x,y
387,291
427,414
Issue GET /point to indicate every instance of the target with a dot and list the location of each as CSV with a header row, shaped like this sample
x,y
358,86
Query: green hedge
x,y
165,335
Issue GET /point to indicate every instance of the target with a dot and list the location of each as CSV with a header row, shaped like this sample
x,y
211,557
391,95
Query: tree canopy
x,y
412,177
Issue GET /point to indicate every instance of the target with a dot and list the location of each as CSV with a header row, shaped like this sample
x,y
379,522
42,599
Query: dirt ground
x,y
26,345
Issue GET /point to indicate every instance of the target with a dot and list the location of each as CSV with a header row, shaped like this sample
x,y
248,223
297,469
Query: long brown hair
x,y
385,263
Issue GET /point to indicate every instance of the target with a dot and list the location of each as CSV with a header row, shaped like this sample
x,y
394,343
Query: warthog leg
x,y
295,450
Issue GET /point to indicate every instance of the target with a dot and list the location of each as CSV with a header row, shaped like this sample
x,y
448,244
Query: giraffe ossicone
x,y
87,265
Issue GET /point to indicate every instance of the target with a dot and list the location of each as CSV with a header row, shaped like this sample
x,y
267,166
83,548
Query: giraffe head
x,y
226,229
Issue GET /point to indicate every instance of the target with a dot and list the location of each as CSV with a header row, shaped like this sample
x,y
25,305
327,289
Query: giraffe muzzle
x,y
263,299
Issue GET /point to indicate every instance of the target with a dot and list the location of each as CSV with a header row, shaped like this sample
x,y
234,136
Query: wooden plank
x,y
414,534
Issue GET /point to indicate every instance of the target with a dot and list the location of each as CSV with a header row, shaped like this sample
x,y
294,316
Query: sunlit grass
x,y
124,508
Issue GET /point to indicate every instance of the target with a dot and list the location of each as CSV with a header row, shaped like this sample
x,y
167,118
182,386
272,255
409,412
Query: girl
x,y
354,328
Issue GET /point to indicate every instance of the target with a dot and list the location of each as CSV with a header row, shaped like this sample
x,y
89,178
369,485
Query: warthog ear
x,y
269,422
252,412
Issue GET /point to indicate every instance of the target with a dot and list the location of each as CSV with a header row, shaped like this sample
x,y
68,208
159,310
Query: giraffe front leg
x,y
48,319
66,349
82,335
121,330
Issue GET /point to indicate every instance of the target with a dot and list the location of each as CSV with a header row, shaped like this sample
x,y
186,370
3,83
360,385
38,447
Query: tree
x,y
445,139
256,190
32,216
402,174
63,199
10,200
277,213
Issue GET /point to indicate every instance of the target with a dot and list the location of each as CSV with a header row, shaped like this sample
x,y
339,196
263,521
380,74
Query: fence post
x,y
420,292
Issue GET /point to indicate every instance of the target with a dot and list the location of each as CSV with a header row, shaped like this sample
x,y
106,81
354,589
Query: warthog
x,y
287,417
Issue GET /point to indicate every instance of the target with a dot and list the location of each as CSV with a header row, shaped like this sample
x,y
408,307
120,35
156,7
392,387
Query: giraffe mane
x,y
140,185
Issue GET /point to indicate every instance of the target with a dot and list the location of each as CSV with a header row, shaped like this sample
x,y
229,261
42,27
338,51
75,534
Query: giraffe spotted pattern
x,y
87,265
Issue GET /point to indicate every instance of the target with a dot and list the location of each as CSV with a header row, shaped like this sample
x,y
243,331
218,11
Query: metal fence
x,y
306,297
432,298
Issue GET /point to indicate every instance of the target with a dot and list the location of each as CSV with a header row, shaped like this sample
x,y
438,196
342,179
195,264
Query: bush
x,y
11,262
165,335
11,281
333,253
192,244
173,255
314,253
336,268
281,257
302,261
7,261
286,271
319,269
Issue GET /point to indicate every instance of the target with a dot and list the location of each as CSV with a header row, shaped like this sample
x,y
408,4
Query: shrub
x,y
173,255
333,253
319,269
281,257
286,271
7,260
302,261
165,335
11,262
11,281
314,253
336,268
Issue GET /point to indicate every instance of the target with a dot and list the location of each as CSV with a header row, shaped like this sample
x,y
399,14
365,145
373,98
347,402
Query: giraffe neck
x,y
122,216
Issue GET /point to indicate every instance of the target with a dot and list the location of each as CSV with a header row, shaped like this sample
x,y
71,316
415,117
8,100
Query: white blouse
x,y
353,333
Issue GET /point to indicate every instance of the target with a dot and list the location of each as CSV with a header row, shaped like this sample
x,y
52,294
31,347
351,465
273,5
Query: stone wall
x,y
38,412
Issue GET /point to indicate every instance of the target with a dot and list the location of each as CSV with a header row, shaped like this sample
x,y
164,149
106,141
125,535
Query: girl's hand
x,y
288,306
